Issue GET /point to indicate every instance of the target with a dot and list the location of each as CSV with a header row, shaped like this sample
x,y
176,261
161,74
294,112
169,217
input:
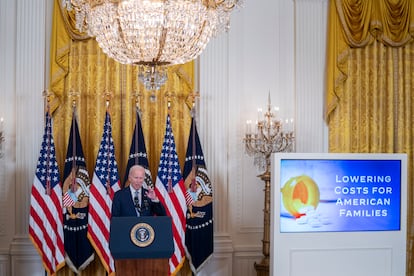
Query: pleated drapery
x,y
370,83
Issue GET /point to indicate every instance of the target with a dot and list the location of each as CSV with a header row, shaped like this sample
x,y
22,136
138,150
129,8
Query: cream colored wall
x,y
267,50
277,46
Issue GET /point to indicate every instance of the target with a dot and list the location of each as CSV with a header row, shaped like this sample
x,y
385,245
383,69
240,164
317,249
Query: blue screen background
x,y
341,205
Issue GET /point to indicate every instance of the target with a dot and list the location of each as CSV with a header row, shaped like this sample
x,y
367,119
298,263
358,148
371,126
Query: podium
x,y
141,245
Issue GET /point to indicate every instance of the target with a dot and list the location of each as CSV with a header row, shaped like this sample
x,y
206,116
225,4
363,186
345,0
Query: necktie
x,y
137,204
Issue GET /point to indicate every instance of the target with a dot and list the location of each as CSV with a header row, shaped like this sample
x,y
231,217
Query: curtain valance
x,y
357,23
388,21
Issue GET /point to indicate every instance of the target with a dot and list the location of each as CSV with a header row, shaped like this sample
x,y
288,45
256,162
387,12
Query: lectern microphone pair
x,y
141,245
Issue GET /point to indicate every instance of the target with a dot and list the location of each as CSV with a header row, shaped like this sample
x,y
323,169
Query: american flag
x,y
105,183
45,221
171,192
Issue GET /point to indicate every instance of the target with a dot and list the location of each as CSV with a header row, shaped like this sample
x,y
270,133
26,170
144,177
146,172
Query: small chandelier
x,y
152,33
270,135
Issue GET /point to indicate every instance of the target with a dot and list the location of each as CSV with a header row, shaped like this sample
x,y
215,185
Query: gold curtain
x,y
81,73
370,79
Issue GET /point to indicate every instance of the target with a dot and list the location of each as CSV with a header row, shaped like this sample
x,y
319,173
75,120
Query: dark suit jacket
x,y
123,205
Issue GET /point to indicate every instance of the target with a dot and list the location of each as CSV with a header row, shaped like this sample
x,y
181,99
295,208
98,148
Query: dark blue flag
x,y
79,251
138,153
199,233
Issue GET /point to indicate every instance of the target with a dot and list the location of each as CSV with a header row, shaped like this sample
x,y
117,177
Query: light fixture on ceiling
x,y
152,33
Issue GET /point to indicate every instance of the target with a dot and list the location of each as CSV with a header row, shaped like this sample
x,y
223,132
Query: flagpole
x,y
49,120
169,187
136,159
74,95
73,186
194,143
73,138
108,177
193,185
193,153
137,113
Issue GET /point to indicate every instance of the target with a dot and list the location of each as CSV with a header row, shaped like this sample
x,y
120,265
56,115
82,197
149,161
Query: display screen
x,y
339,195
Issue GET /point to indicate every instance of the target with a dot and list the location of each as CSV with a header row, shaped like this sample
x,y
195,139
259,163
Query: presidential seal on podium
x,y
142,234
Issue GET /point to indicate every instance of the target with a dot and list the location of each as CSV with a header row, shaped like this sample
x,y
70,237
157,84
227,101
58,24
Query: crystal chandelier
x,y
152,33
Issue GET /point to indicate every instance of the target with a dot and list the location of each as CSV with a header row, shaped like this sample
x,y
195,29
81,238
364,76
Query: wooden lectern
x,y
141,245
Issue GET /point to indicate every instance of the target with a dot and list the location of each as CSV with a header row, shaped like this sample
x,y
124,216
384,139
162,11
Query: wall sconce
x,y
1,137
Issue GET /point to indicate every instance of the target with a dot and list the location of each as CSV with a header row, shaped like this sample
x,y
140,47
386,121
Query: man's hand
x,y
151,195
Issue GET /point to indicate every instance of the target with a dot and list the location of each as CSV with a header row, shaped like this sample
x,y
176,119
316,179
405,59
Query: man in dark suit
x,y
135,200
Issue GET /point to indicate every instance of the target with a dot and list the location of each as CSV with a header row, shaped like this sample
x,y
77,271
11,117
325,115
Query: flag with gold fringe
x,y
199,233
170,189
45,219
105,183
79,251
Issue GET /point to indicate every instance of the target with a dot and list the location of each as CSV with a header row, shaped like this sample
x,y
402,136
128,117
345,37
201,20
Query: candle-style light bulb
x,y
259,114
248,126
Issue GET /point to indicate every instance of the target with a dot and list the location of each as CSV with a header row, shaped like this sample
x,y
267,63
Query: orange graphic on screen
x,y
299,193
